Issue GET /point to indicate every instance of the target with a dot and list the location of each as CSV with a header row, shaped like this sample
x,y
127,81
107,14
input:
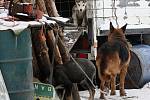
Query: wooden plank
x,y
3,91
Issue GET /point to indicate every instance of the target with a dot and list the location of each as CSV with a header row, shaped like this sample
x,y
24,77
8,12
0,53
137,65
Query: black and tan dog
x,y
113,57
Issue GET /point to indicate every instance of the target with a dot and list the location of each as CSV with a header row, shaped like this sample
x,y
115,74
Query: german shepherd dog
x,y
113,57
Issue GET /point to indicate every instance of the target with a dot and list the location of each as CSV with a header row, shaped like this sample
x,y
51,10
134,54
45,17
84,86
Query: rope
x,y
115,14
86,74
82,70
103,10
125,12
141,38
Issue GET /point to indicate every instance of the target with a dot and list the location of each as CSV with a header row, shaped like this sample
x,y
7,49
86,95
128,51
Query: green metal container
x,y
16,64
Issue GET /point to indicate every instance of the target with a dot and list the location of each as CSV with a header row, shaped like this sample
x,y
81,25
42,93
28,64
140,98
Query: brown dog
x,y
113,57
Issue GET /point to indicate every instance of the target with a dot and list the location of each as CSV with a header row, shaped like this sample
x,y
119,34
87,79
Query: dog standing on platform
x,y
79,13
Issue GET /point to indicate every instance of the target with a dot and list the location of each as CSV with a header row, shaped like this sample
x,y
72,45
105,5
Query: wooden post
x,y
41,53
51,8
36,70
15,1
64,52
51,42
41,6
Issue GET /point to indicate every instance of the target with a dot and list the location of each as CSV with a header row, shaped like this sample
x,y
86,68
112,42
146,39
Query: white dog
x,y
79,13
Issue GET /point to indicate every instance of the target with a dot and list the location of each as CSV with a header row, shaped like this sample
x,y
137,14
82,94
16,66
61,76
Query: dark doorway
x,y
64,7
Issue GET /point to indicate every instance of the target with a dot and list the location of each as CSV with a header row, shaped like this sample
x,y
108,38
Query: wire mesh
x,y
64,7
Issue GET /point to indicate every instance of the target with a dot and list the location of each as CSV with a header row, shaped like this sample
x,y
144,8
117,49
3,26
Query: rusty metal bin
x,y
146,39
139,68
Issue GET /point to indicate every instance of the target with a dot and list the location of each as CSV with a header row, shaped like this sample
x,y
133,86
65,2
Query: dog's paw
x,y
113,93
122,94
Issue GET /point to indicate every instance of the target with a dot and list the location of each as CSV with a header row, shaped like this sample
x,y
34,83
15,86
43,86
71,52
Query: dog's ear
x,y
124,28
111,27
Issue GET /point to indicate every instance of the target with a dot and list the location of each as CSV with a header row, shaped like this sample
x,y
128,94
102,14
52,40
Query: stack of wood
x,y
46,6
47,43
48,46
